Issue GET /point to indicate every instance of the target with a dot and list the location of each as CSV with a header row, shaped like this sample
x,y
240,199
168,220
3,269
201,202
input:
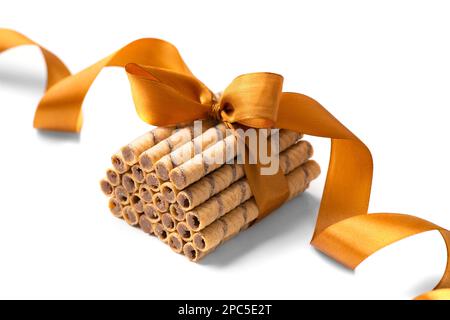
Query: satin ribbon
x,y
166,92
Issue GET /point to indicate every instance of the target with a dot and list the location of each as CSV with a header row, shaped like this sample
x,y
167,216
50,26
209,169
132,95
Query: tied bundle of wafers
x,y
185,186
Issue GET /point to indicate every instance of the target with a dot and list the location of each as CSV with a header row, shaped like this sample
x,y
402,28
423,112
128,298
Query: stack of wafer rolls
x,y
166,183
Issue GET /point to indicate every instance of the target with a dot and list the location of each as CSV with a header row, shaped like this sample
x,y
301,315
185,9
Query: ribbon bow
x,y
166,92
251,99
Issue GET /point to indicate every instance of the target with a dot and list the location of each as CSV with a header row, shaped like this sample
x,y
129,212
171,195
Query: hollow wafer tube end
x,y
175,242
106,187
145,224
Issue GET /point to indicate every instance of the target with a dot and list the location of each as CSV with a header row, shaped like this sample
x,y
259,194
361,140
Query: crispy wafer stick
x,y
169,192
175,242
145,193
209,211
189,150
153,181
145,224
160,202
223,151
160,232
239,192
138,174
177,212
113,177
119,163
128,183
133,150
203,163
122,195
233,222
106,187
149,157
152,212
168,222
223,177
137,203
192,253
184,231
130,216
115,207
209,186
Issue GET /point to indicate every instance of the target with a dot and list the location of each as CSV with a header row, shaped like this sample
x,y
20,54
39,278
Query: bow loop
x,y
252,99
163,97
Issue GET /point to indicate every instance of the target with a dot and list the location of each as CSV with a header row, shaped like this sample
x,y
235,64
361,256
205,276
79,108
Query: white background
x,y
382,67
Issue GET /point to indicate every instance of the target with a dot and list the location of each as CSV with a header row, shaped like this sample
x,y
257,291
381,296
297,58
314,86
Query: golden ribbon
x,y
166,92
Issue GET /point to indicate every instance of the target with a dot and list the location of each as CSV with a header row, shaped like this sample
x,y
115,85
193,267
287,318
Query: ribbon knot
x,y
216,109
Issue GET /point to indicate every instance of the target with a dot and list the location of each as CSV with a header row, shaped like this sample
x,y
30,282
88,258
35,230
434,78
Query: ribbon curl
x,y
159,78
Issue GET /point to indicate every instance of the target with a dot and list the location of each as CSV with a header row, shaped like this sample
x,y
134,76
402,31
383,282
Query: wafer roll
x,y
168,222
223,177
192,253
210,185
217,206
138,174
169,192
153,181
145,224
152,212
160,232
223,151
137,203
233,222
133,150
149,157
176,212
184,231
119,163
204,163
189,150
130,216
240,191
106,187
145,193
122,195
160,202
115,207
128,183
175,242
113,177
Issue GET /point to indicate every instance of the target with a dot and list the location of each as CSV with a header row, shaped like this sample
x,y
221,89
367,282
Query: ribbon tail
x,y
344,229
60,107
56,69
